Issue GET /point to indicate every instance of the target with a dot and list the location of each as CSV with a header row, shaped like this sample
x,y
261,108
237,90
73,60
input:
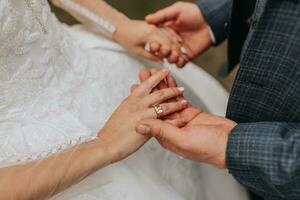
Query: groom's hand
x,y
187,20
204,139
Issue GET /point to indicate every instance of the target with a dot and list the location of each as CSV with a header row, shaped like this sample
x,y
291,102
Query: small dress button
x,y
251,22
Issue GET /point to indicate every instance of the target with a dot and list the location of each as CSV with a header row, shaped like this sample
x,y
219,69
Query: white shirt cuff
x,y
212,36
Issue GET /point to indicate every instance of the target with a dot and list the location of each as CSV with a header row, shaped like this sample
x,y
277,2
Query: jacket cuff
x,y
252,150
241,148
217,15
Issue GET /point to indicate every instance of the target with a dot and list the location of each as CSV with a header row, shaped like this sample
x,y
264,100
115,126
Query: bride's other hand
x,y
118,136
163,42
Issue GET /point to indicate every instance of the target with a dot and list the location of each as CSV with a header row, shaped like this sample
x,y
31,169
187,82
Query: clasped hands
x,y
185,130
190,132
177,33
181,128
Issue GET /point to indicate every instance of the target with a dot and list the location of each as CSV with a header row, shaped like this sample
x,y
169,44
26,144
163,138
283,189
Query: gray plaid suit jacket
x,y
263,151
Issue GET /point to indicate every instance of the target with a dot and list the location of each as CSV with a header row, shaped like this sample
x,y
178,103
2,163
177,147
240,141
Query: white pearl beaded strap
x,y
29,4
89,15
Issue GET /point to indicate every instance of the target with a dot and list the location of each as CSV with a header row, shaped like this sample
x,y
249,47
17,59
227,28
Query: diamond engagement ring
x,y
159,111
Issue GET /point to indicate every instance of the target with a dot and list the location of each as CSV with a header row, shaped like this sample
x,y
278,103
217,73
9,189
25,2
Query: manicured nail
x,y
183,50
143,129
181,89
147,47
184,102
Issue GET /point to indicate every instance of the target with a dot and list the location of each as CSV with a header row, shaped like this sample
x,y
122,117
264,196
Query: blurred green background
x,y
211,60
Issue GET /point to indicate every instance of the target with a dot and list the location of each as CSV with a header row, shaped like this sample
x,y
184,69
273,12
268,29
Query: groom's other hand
x,y
187,20
204,139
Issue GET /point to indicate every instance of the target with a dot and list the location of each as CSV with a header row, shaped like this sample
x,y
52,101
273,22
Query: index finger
x,y
171,81
144,74
147,86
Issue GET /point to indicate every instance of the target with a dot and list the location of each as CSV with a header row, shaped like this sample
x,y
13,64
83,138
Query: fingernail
x,y
143,129
181,89
147,47
184,102
183,50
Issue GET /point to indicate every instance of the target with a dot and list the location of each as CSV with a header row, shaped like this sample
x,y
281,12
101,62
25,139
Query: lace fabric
x,y
41,76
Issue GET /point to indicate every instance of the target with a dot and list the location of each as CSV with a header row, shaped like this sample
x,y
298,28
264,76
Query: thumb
x,y
164,15
164,132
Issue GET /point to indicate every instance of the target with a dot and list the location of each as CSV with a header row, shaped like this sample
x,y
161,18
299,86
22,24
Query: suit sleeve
x,y
217,14
265,157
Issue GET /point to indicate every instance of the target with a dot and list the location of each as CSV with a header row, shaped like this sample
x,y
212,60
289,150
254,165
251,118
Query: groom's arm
x,y
217,14
265,157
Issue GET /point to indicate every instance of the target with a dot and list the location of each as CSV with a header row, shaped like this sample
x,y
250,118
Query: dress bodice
x,y
35,50
39,63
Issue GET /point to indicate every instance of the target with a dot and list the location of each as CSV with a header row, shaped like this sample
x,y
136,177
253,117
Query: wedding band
x,y
159,111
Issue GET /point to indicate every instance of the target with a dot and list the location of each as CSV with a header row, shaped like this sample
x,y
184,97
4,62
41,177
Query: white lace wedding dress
x,y
58,86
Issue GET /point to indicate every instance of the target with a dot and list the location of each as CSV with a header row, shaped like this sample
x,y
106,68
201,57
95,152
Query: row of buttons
x,y
251,23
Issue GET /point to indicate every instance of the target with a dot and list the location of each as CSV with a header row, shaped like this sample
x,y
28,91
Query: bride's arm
x,y
41,179
96,14
44,178
131,34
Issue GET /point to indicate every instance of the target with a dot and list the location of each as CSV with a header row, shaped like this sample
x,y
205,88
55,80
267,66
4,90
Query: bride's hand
x,y
181,117
118,135
163,42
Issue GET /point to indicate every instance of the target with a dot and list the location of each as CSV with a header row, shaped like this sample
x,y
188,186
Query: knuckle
x,y
175,91
166,48
179,105
151,29
160,135
161,94
166,108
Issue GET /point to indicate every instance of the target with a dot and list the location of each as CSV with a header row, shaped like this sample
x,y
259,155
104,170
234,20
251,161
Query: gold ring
x,y
159,111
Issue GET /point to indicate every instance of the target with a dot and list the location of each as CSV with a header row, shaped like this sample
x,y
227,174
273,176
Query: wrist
x,y
99,155
121,28
221,157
